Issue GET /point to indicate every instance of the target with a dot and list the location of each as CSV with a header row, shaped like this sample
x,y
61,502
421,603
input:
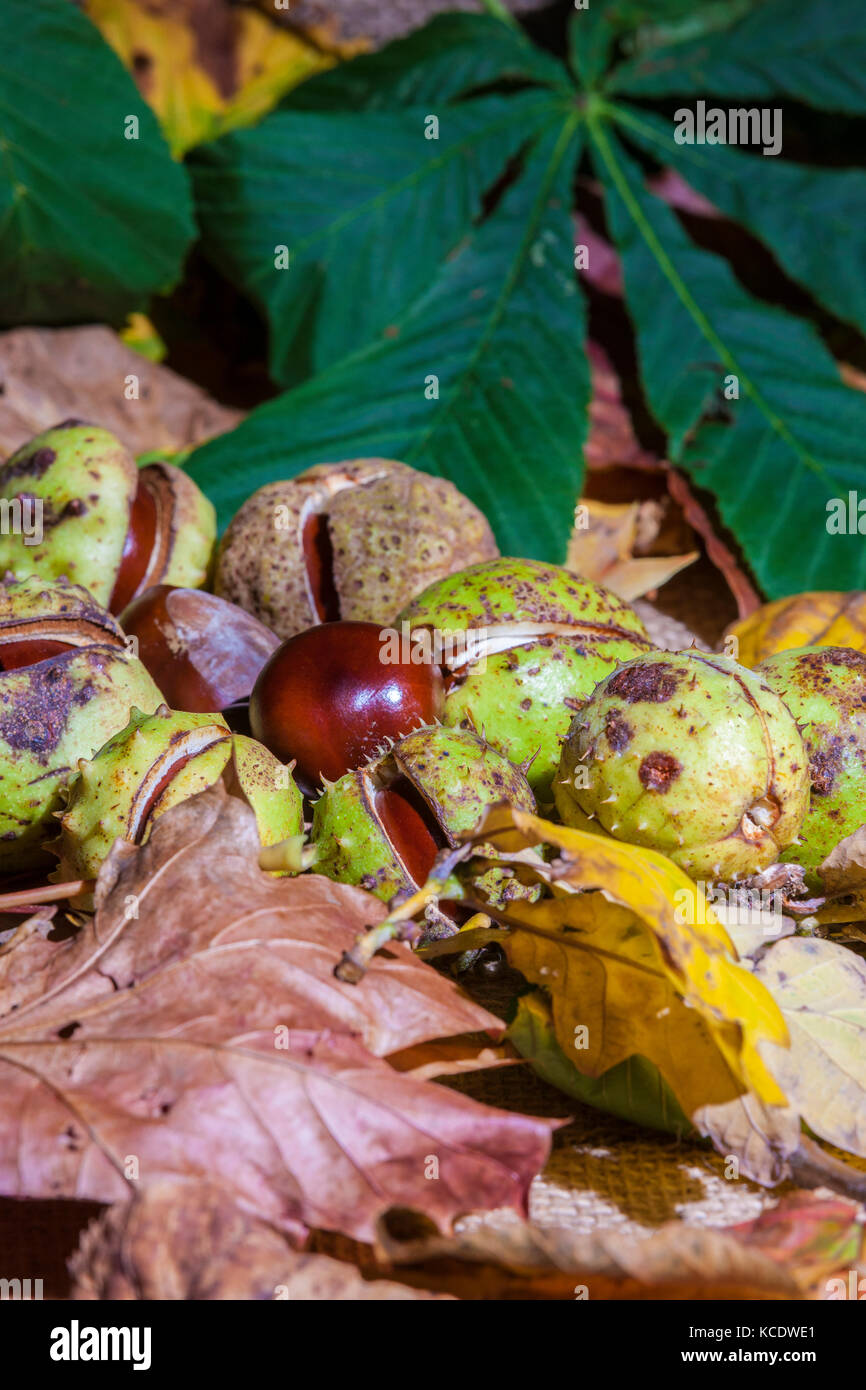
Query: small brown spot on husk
x,y
659,771
651,682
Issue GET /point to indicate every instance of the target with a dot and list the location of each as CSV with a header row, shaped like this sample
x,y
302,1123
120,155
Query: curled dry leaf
x,y
791,1249
195,1025
519,1260
51,374
667,632
821,619
610,546
620,469
182,1239
763,1139
821,990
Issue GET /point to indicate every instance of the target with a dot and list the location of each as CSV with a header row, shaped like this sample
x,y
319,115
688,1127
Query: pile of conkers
x,y
365,658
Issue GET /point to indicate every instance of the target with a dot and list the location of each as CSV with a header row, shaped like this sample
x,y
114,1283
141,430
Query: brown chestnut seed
x,y
203,652
328,699
411,826
138,547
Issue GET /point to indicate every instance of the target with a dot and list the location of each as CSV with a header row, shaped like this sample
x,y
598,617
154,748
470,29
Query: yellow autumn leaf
x,y
270,61
822,619
139,334
636,962
159,47
160,51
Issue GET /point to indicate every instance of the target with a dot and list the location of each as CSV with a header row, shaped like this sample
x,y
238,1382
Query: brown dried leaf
x,y
844,869
189,1240
51,374
789,1250
195,1028
606,546
517,1260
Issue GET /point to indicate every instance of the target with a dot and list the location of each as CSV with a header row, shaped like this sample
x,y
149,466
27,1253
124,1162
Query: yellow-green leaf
x,y
160,48
161,53
636,963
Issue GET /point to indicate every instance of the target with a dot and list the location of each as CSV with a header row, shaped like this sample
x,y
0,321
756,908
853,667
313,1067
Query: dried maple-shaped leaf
x,y
195,1027
633,958
821,989
180,1239
821,619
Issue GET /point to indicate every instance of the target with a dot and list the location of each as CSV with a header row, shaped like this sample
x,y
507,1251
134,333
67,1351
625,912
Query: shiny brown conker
x,y
203,652
330,697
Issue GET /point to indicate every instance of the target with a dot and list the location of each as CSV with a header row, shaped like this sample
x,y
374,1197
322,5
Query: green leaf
x,y
502,328
795,433
658,22
633,1090
591,36
798,212
452,55
91,222
809,50
368,205
637,25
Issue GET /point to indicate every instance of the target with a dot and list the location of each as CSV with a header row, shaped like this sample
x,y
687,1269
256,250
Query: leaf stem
x,y
51,893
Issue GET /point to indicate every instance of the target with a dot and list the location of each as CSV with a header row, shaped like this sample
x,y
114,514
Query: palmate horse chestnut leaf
x,y
541,638
105,524
329,698
692,755
348,540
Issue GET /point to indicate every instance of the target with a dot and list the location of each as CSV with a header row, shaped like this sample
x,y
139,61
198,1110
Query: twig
x,y
51,893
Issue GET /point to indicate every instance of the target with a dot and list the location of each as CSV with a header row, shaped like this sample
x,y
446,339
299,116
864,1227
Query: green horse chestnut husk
x,y
825,690
66,685
381,827
523,645
104,523
691,755
154,763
